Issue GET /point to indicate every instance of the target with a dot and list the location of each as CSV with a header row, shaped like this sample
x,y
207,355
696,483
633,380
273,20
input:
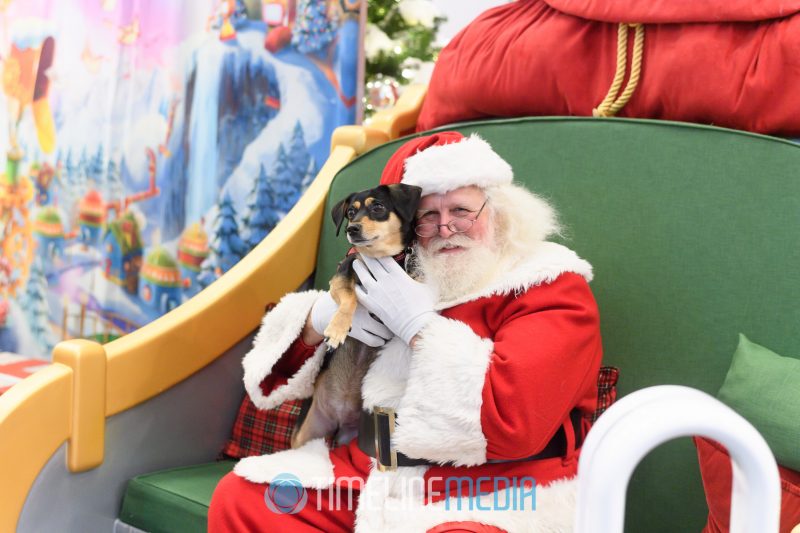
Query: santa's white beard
x,y
454,275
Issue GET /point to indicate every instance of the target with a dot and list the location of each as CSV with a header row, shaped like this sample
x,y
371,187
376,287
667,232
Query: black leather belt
x,y
375,433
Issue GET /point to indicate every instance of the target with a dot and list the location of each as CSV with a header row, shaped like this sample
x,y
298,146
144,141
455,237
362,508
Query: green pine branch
x,y
415,41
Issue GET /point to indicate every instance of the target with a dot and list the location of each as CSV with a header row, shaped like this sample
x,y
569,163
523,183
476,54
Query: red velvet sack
x,y
733,63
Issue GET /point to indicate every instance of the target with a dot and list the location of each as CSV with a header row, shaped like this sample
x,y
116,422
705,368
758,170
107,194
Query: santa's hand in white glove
x,y
364,328
404,305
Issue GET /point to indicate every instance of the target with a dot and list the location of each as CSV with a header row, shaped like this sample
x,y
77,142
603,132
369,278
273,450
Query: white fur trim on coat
x,y
385,382
439,416
311,464
472,161
392,502
548,262
279,329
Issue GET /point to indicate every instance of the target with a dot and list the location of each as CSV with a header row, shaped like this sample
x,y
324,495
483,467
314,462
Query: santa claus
x,y
475,408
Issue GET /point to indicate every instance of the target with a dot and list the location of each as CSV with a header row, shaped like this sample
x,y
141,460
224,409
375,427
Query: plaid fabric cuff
x,y
259,432
606,390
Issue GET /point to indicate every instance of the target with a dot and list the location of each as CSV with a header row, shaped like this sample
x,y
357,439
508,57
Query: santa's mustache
x,y
438,243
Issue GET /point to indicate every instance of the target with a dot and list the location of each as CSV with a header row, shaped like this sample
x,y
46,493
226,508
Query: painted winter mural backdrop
x,y
150,145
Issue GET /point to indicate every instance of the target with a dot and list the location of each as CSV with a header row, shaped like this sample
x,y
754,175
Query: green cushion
x,y
173,501
692,231
764,387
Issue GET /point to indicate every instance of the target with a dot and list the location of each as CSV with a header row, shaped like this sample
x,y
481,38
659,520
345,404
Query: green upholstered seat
x,y
692,231
172,501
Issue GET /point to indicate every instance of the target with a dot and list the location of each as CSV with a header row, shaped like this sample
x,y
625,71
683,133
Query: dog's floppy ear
x,y
339,211
405,199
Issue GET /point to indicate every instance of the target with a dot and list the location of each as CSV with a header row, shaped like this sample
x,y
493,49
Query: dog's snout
x,y
353,229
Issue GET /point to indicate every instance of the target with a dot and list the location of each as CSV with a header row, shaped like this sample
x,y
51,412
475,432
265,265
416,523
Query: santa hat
x,y
445,161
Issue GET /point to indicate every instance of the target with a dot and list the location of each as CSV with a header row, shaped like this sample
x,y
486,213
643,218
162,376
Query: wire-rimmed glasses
x,y
456,225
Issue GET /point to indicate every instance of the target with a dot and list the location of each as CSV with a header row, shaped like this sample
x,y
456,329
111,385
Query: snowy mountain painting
x,y
151,145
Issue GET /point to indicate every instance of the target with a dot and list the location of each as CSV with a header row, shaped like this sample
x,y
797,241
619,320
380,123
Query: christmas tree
x,y
298,151
36,308
310,174
261,214
285,183
227,248
312,30
96,166
113,188
80,179
69,167
74,185
399,40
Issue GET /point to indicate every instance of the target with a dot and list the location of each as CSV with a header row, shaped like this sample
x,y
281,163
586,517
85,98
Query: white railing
x,y
643,420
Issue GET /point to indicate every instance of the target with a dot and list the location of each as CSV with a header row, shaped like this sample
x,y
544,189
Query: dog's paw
x,y
338,328
335,336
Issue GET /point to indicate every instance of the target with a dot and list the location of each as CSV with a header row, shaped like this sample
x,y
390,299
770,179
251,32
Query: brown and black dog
x,y
380,223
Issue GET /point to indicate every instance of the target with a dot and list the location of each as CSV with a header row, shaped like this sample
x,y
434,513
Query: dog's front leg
x,y
343,291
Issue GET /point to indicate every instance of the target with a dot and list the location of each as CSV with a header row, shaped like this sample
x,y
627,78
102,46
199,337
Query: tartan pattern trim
x,y
606,390
259,432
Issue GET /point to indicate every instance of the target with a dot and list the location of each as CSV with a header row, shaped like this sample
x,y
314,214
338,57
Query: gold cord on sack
x,y
613,102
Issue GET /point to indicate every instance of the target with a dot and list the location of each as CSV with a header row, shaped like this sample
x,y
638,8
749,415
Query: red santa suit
x,y
488,383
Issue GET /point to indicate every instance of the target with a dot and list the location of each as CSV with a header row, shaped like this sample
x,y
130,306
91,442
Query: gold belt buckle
x,y
378,415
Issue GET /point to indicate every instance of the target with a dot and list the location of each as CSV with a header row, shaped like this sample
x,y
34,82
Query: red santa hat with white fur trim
x,y
445,161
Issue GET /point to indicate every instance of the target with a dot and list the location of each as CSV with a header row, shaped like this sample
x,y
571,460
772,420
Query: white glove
x,y
404,305
365,328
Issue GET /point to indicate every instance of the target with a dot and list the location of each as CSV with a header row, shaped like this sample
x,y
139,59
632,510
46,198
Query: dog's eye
x,y
351,212
377,208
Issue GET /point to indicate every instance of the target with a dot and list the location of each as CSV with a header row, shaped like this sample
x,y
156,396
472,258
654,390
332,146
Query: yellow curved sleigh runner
x,y
691,230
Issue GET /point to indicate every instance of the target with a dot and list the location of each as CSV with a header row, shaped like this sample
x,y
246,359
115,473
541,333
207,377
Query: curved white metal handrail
x,y
643,420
